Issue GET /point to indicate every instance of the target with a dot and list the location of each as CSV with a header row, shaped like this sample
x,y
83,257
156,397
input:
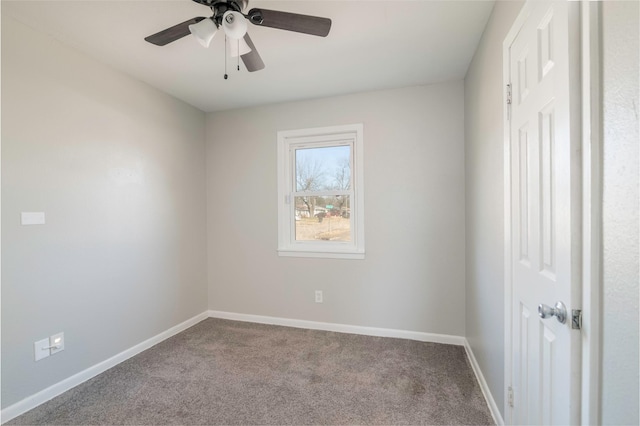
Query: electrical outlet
x,y
318,296
41,349
56,342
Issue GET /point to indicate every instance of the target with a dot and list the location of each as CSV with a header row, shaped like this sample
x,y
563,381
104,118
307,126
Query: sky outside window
x,y
319,169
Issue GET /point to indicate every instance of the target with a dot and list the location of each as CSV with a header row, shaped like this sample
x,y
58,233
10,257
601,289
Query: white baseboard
x,y
493,407
342,328
52,391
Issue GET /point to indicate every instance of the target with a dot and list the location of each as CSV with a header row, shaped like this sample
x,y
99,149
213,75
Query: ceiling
x,y
372,45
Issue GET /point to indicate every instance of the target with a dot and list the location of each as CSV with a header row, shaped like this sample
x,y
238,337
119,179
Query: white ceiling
x,y
372,45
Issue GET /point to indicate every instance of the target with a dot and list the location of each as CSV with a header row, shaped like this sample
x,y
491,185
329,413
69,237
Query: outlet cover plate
x,y
53,341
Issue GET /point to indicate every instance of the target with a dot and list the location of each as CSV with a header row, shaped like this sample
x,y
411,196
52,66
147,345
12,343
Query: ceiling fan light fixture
x,y
234,24
204,31
238,47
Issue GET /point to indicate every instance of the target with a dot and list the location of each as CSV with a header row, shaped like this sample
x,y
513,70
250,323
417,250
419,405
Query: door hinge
x,y
509,101
510,396
576,319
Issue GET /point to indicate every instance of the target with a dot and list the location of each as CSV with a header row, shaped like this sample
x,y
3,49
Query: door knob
x,y
559,311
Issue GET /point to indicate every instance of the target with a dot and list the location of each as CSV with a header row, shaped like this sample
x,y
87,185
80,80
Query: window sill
x,y
321,254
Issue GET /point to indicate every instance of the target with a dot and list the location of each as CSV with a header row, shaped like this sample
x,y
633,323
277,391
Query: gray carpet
x,y
228,372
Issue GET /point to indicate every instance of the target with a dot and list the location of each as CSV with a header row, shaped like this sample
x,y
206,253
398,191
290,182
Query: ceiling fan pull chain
x,y
238,54
226,76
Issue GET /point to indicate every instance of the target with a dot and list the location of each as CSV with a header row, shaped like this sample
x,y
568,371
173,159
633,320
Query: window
x,y
320,192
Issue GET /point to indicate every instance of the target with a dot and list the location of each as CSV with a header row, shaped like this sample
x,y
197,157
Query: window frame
x,y
320,137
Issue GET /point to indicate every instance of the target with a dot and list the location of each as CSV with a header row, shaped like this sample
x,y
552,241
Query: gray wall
x,y
118,168
413,274
620,24
484,181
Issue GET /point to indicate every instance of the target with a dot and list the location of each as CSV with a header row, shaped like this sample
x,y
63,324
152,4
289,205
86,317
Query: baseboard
x,y
52,391
493,407
342,328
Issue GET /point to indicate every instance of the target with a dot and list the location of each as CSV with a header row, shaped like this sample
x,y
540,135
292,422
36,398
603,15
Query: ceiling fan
x,y
228,15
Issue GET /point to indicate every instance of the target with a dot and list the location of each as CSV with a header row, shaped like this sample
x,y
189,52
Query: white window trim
x,y
351,134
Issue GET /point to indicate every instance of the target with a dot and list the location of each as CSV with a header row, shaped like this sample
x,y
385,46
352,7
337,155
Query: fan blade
x,y
174,33
306,24
252,60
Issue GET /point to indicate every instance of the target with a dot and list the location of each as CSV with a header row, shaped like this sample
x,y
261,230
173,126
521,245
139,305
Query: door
x,y
544,215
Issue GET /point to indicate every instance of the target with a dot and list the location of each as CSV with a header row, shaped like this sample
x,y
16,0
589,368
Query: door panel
x,y
544,201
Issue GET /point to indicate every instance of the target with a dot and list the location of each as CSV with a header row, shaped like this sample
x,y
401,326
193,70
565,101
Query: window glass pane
x,y
323,218
323,169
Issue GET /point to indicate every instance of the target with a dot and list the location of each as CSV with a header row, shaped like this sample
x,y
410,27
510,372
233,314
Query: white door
x,y
544,215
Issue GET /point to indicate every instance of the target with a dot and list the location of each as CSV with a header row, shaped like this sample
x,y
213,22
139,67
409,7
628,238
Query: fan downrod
x,y
218,7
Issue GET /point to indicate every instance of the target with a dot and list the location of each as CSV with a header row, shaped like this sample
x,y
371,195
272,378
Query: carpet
x,y
230,372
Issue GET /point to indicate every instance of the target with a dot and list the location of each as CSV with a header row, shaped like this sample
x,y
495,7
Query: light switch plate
x,y
41,349
32,218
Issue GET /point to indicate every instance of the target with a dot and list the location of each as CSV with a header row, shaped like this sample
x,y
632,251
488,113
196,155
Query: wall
x,y
118,168
413,274
621,255
484,182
